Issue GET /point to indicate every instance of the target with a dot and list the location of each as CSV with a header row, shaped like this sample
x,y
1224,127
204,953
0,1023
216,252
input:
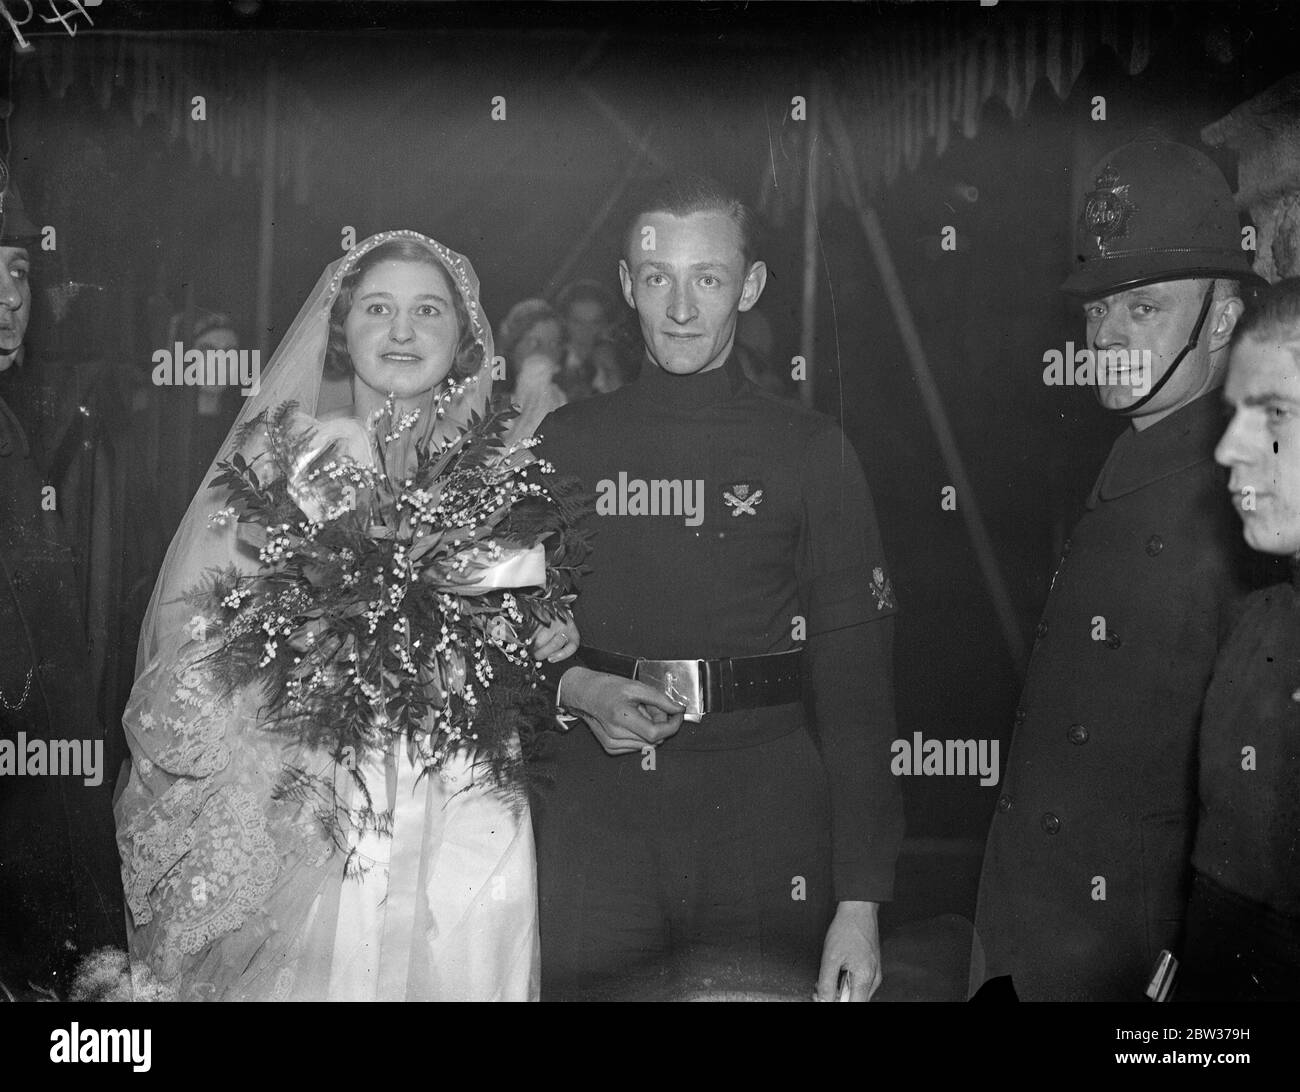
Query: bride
x,y
236,893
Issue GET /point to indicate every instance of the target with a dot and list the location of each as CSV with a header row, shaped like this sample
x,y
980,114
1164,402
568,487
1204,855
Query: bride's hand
x,y
555,642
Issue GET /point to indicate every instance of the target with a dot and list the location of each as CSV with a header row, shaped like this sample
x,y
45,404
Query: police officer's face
x,y
1157,319
15,302
686,277
1262,444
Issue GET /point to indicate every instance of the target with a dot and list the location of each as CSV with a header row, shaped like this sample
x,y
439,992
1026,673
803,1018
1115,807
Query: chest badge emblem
x,y
743,497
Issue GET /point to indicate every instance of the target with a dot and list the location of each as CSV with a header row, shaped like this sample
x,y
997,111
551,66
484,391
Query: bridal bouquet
x,y
389,607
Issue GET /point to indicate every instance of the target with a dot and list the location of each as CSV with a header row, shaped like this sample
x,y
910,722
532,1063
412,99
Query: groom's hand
x,y
852,944
624,716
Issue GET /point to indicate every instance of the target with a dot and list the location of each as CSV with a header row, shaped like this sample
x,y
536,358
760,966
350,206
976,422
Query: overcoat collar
x,y
1138,459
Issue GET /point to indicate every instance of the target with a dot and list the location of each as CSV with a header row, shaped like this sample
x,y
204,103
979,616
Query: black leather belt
x,y
710,686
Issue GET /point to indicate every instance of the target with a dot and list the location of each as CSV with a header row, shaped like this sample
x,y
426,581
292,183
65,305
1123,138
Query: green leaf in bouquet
x,y
396,679
471,596
303,669
444,456
430,675
424,544
253,534
309,631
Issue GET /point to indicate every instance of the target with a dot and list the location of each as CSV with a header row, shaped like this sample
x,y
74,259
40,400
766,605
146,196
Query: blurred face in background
x,y
15,302
218,339
586,321
608,376
1261,446
545,338
402,331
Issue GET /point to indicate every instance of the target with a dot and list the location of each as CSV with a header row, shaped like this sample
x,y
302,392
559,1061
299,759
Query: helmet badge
x,y
1107,211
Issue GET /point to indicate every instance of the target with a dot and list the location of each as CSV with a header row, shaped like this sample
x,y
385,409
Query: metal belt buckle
x,y
679,679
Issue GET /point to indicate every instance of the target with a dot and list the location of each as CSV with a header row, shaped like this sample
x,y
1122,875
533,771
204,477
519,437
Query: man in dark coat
x,y
698,836
1086,873
60,890
1243,920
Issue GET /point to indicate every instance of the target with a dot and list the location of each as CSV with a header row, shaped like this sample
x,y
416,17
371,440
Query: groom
x,y
720,834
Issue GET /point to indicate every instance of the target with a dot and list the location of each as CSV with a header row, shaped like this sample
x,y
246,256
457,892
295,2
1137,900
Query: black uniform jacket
x,y
60,885
781,549
1248,837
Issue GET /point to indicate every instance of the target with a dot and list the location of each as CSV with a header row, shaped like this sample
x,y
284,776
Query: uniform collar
x,y
13,441
684,393
1184,438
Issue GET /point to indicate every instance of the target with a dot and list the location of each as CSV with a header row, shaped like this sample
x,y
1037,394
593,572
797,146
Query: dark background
x,y
401,98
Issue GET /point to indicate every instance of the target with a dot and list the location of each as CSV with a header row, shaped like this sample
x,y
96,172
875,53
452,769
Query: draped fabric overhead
x,y
909,91
160,77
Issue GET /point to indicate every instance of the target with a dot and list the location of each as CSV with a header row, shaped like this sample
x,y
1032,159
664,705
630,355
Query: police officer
x,y
1085,875
60,890
694,831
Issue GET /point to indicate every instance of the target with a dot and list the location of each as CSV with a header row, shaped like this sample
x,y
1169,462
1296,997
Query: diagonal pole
x,y
808,322
644,151
625,127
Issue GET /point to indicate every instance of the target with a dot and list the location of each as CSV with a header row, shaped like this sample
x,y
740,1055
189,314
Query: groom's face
x,y
687,280
15,302
402,330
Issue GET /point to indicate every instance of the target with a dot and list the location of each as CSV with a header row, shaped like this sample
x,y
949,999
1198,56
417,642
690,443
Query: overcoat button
x,y
1078,734
1041,631
1113,641
1004,803
1051,823
1154,545
1020,717
1065,550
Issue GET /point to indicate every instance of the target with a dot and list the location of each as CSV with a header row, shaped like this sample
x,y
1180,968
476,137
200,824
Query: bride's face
x,y
402,330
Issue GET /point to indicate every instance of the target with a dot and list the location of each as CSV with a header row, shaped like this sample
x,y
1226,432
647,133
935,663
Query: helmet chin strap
x,y
1191,344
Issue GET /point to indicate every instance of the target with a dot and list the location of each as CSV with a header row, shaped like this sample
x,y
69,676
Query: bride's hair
x,y
338,364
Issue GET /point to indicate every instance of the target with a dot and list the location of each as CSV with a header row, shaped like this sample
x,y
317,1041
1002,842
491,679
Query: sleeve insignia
x,y
882,590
